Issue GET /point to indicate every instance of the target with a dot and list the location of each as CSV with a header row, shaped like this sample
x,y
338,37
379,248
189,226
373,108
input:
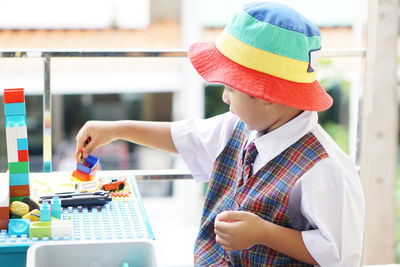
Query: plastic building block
x,y
18,167
19,208
31,203
22,132
82,176
79,199
40,229
19,179
113,184
22,143
33,216
45,212
15,121
4,216
91,161
12,109
18,227
19,190
56,207
23,155
14,95
62,228
12,199
12,146
87,187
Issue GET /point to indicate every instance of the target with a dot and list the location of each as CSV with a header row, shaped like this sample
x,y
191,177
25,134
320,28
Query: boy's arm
x,y
153,134
239,230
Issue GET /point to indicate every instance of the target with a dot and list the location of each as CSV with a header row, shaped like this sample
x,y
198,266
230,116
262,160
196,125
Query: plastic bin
x,y
140,253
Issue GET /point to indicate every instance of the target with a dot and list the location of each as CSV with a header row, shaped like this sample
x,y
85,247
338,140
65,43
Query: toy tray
x,y
123,218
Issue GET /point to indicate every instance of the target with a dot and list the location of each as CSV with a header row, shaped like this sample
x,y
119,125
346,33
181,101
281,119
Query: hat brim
x,y
215,67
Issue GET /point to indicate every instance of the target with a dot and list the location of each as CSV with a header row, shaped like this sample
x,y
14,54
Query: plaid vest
x,y
266,193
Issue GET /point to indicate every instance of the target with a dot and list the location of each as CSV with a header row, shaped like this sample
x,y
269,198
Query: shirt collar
x,y
271,144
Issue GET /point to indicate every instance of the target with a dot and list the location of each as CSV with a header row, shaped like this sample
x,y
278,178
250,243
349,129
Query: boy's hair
x,y
266,51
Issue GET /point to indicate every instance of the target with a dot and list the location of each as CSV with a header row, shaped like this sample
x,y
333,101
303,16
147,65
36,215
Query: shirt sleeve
x,y
333,203
200,141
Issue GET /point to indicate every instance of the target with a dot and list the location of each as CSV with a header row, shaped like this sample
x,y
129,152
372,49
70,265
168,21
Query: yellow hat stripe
x,y
260,60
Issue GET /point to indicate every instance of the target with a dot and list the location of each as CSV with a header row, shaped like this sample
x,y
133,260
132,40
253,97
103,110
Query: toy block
x,y
45,212
12,145
4,216
40,229
18,167
14,95
22,143
62,228
91,163
19,190
18,227
22,132
19,179
4,193
33,205
56,208
82,176
23,155
47,166
12,199
12,109
15,121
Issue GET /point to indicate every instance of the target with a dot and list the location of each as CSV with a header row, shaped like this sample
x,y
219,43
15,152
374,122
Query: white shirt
x,y
330,193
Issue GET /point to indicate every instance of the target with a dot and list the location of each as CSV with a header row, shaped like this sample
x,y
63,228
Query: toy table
x,y
123,218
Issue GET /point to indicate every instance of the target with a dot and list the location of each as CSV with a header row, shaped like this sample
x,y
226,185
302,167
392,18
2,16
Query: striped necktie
x,y
249,157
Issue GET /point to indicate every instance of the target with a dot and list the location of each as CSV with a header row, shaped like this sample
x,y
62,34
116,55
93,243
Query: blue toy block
x,y
45,212
47,166
22,143
19,179
11,109
18,227
91,161
16,121
56,208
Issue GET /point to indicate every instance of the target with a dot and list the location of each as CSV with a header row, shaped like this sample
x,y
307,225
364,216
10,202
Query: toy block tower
x,y
17,143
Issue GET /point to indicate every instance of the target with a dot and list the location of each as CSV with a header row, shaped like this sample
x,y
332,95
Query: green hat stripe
x,y
271,38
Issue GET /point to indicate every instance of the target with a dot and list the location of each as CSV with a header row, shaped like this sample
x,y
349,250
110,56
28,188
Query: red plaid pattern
x,y
265,193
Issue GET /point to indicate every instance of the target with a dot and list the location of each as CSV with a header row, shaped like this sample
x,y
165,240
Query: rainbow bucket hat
x,y
266,51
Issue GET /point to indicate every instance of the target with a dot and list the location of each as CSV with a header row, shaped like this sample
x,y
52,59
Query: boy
x,y
281,192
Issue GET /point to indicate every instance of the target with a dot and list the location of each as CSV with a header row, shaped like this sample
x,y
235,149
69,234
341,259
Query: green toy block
x,y
40,229
17,199
18,167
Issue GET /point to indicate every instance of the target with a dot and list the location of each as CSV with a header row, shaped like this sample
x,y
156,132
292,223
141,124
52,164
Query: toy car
x,y
114,184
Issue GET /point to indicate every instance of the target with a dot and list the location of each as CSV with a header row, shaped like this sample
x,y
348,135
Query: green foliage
x,y
339,133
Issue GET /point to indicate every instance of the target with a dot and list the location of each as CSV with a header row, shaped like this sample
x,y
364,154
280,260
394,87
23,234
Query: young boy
x,y
281,192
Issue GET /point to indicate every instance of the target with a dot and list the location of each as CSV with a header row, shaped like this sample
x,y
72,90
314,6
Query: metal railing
x,y
47,55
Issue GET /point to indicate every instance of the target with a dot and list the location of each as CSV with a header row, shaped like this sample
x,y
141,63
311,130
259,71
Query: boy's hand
x,y
99,133
237,230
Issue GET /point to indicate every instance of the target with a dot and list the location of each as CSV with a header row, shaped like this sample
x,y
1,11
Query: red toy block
x,y
14,95
4,216
19,191
23,155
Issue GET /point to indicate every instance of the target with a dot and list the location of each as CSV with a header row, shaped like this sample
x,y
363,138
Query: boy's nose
x,y
225,97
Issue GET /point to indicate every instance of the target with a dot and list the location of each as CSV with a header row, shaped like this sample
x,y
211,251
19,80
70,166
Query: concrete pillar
x,y
379,132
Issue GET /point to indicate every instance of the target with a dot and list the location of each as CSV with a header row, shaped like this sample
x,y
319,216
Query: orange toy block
x,y
19,190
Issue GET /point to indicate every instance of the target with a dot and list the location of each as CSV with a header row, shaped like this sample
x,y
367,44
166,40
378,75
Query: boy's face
x,y
256,113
